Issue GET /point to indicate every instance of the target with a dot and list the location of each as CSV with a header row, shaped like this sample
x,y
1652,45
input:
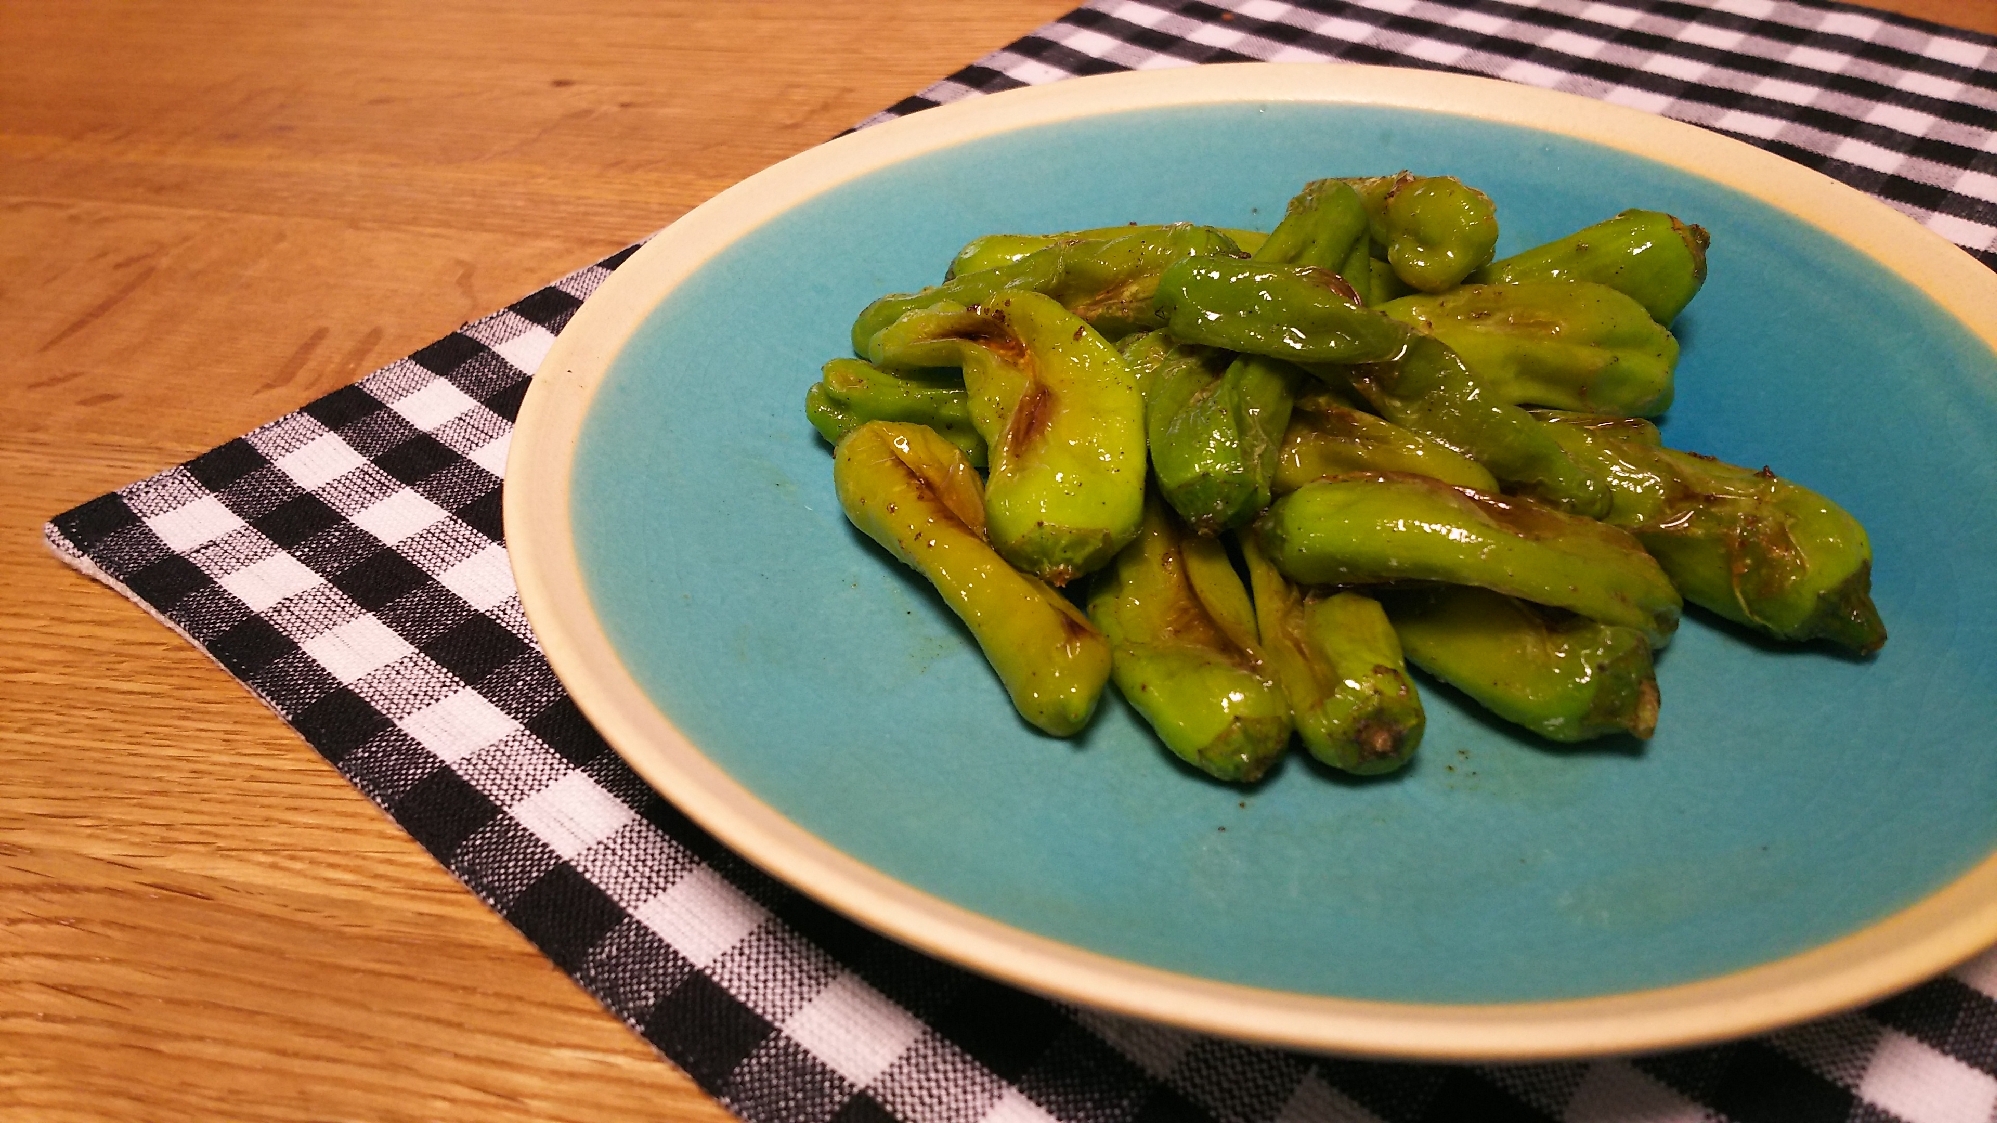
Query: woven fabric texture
x,y
346,563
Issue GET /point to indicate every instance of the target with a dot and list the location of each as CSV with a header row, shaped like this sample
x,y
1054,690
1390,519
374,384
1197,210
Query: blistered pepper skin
x,y
1566,678
1327,437
1340,664
913,492
1107,282
1648,256
1182,660
852,392
1748,545
1429,390
1384,528
1215,439
1570,345
1296,312
1062,419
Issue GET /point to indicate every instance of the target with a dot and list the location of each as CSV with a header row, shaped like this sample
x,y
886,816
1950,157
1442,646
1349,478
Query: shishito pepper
x,y
1211,422
1184,654
1559,344
1649,256
1108,282
1327,437
852,392
1215,438
1429,390
994,250
1062,420
1433,230
1565,677
1340,664
1325,225
914,493
1385,285
1749,545
1381,528
1151,354
1297,312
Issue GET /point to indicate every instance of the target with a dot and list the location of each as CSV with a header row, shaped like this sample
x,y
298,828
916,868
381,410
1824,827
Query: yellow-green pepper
x,y
1061,417
913,492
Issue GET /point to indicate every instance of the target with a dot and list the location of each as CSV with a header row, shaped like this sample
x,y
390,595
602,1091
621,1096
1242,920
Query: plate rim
x,y
1899,950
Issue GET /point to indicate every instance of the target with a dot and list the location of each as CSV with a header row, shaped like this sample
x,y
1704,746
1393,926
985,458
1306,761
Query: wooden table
x,y
211,212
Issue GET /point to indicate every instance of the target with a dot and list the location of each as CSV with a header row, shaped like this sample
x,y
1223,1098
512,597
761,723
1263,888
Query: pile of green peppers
x,y
1276,469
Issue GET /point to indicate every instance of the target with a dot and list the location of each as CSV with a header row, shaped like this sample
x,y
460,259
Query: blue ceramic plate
x,y
685,559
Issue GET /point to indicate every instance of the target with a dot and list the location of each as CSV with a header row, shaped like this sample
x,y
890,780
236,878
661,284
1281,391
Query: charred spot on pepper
x,y
1030,419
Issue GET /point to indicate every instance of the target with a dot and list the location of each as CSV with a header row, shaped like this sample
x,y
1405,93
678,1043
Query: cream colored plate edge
x,y
1899,951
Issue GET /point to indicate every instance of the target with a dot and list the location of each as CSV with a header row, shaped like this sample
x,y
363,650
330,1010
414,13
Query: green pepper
x,y
1153,355
1749,545
1320,226
1327,437
913,492
1296,312
1380,528
1433,230
1649,256
994,250
1326,226
1107,282
1340,663
1430,391
1062,419
1215,437
852,392
1181,655
1561,344
1386,284
1565,677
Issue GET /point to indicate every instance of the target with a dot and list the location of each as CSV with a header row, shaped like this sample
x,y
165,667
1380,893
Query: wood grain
x,y
210,213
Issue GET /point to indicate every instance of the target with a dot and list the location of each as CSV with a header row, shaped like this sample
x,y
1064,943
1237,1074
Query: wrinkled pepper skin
x,y
1558,344
1430,391
1340,664
1108,283
852,392
994,250
1433,230
910,490
1297,312
1750,546
1326,438
1566,678
1215,440
1648,256
1184,666
1062,420
1381,528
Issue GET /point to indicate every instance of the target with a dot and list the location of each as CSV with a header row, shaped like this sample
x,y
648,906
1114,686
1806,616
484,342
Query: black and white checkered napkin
x,y
347,564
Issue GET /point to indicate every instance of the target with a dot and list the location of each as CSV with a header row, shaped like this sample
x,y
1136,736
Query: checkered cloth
x,y
347,564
